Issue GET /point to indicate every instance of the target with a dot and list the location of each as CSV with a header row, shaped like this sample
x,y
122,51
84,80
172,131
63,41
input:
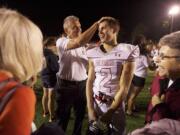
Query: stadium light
x,y
174,10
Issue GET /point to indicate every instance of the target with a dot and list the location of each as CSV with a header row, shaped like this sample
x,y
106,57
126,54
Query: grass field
x,y
132,122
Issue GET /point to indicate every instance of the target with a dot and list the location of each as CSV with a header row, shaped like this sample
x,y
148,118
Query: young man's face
x,y
106,33
73,29
168,66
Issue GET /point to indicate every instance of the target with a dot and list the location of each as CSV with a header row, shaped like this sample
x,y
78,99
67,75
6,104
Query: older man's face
x,y
168,62
74,29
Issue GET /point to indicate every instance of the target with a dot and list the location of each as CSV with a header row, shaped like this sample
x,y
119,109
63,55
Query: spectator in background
x,y
21,52
48,77
140,74
152,52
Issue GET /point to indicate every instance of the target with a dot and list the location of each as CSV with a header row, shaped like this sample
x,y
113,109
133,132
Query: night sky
x,y
147,14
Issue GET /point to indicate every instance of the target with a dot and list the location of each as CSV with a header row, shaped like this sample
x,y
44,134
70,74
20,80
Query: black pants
x,y
70,94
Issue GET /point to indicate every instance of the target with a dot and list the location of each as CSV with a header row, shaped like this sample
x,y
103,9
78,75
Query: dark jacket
x,y
52,65
170,108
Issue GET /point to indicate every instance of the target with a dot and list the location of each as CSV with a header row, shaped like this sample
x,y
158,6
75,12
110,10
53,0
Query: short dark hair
x,y
50,41
140,40
171,40
112,22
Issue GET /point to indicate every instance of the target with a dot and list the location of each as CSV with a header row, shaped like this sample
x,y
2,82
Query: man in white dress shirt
x,y
72,75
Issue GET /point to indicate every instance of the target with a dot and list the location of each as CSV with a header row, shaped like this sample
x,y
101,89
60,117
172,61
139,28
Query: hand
x,y
102,18
93,128
162,97
103,127
156,100
98,128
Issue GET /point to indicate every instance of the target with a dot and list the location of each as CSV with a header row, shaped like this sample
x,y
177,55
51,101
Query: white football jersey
x,y
141,66
108,66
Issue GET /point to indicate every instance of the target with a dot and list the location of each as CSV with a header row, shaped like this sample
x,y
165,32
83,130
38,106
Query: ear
x,y
66,31
114,31
179,63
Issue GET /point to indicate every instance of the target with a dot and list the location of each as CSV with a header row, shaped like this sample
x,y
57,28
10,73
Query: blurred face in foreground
x,y
21,48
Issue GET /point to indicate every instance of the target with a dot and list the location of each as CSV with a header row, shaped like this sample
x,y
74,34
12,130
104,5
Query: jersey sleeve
x,y
133,52
92,53
145,61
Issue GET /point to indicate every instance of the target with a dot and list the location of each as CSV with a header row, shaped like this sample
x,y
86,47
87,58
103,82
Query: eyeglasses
x,y
162,56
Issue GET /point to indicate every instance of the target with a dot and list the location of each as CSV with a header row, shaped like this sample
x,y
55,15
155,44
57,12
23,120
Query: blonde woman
x,y
20,60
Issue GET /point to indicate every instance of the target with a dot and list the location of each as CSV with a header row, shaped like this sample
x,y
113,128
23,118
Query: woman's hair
x,y
140,40
20,45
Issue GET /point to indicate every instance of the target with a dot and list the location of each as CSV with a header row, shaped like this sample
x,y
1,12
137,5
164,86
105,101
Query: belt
x,y
71,82
104,99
